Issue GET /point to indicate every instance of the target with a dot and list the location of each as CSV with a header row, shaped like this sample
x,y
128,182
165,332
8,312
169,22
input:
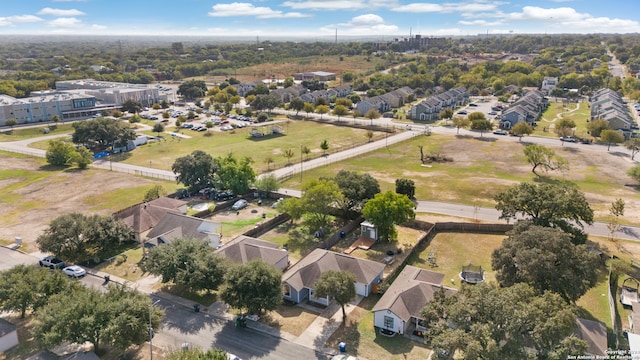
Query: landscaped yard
x,y
362,340
578,112
125,265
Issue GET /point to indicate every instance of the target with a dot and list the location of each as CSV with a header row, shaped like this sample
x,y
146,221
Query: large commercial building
x,y
45,105
78,99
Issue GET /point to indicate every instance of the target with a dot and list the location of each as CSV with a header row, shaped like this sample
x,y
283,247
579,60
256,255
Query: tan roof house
x,y
243,249
173,226
399,308
142,217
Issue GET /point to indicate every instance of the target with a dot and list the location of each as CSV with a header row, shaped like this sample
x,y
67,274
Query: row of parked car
x,y
53,262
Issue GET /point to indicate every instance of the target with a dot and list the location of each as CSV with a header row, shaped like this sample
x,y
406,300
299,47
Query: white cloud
x,y
329,5
480,23
246,9
534,13
447,7
367,24
12,20
98,27
60,12
65,22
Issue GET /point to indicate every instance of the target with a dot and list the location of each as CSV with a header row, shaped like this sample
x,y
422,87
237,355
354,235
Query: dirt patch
x,y
56,193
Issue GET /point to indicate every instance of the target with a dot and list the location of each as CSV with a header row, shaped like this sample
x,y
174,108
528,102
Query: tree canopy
x,y
318,198
187,262
489,322
406,187
26,287
195,170
611,137
255,287
192,89
546,259
336,285
548,204
235,175
356,188
131,106
386,210
196,354
541,156
118,318
102,133
521,129
79,238
481,125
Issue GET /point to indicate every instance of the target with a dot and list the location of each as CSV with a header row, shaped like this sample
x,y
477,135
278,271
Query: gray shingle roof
x,y
306,271
243,249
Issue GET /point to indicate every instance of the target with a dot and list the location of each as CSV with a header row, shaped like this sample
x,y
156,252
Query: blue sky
x,y
317,18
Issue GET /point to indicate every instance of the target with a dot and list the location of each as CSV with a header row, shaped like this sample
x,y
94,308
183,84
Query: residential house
x,y
340,91
298,282
312,97
289,93
376,102
548,84
245,89
173,226
8,335
243,249
594,333
527,108
399,308
142,217
608,105
314,75
429,109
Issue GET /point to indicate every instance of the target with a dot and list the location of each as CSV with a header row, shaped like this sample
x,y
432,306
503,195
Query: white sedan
x,y
74,271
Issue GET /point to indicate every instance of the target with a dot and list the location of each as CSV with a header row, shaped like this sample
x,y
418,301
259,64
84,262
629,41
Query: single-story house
x,y
142,217
298,282
594,333
399,308
172,226
243,249
8,335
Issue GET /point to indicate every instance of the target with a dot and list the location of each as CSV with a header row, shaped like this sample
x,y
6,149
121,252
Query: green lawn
x,y
306,133
119,199
125,265
362,340
27,133
578,112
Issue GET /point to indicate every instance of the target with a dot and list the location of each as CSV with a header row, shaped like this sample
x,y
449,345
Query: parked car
x,y
569,139
240,204
473,105
74,271
500,132
462,112
51,262
492,113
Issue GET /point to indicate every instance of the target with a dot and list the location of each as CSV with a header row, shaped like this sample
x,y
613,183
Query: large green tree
x,y
386,210
521,129
187,262
296,104
489,322
545,158
559,205
131,106
596,127
118,318
27,287
255,287
356,188
336,285
318,198
633,145
235,175
634,172
267,184
79,238
481,125
102,133
611,137
195,170
406,187
460,122
60,153
546,259
192,89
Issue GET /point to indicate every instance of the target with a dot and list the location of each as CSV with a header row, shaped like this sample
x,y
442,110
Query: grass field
x,y
578,112
299,133
27,133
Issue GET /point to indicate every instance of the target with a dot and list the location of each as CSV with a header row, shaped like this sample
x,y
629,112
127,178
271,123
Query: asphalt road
x,y
182,325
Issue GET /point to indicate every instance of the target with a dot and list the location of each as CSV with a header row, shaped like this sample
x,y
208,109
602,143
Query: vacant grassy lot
x,y
480,169
290,318
34,193
284,68
162,154
578,112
